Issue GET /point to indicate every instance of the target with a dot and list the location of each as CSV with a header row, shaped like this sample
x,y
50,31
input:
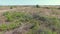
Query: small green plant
x,y
10,26
3,27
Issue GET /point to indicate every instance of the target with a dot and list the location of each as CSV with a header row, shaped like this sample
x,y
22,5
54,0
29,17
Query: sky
x,y
29,2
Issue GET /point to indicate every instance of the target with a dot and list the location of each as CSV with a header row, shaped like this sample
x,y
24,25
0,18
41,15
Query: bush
x,y
10,26
37,6
11,7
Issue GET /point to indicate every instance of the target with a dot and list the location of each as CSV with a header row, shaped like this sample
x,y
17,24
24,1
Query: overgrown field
x,y
41,24
19,22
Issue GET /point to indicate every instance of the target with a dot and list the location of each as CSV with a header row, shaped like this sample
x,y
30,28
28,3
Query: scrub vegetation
x,y
30,22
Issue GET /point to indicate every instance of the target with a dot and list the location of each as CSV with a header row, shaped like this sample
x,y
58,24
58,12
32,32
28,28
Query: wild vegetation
x,y
30,23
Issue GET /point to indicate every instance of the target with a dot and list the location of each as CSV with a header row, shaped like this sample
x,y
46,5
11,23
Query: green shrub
x,y
3,27
37,6
15,19
11,7
10,26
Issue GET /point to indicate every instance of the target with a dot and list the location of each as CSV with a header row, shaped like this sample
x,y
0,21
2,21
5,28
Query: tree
x,y
37,6
11,7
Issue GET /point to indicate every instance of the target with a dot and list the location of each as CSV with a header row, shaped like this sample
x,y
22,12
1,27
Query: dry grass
x,y
44,20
